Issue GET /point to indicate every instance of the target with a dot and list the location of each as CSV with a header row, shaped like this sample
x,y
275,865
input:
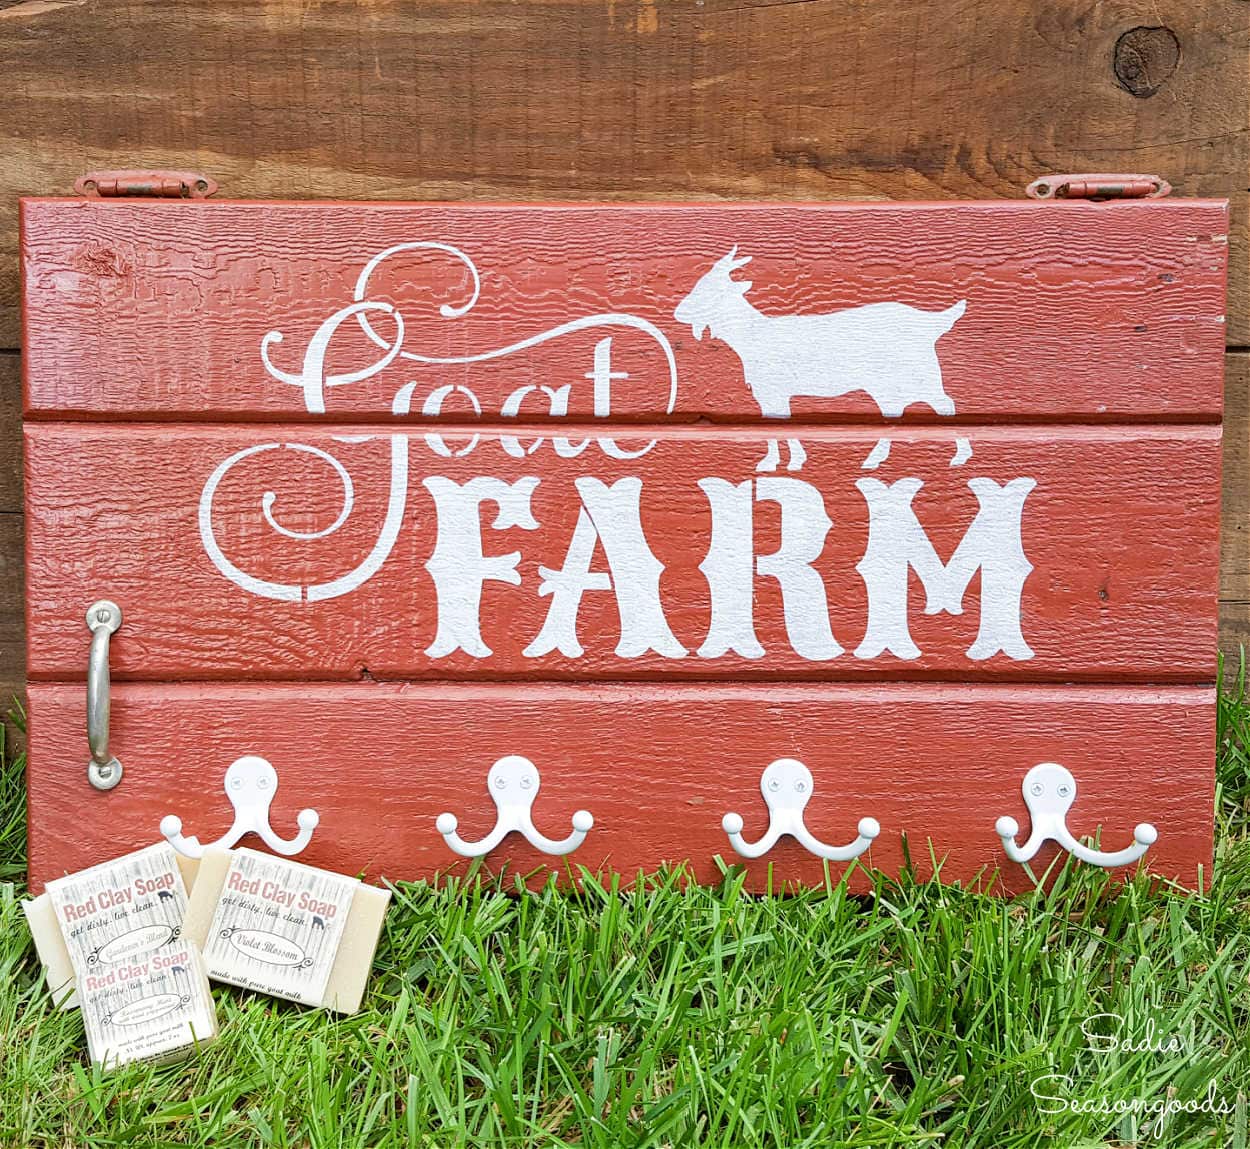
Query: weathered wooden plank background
x,y
808,99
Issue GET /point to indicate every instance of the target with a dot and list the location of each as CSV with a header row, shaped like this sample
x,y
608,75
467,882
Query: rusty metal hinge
x,y
146,183
1098,185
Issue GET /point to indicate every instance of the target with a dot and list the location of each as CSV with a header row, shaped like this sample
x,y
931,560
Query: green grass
x,y
679,1016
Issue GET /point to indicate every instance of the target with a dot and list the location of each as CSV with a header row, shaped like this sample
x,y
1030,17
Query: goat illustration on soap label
x,y
887,350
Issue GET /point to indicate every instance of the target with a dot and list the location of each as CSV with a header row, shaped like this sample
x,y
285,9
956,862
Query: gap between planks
x,y
703,429
951,690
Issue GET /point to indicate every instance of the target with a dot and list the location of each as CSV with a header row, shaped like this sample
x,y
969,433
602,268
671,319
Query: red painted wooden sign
x,y
624,536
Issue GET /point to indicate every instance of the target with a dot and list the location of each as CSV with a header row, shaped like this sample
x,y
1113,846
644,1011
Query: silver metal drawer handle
x,y
103,771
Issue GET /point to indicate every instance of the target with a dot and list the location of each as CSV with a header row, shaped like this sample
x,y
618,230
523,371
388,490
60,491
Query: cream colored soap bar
x,y
155,1008
283,928
50,941
114,933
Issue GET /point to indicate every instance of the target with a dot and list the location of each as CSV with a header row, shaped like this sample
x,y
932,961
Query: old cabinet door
x,y
909,498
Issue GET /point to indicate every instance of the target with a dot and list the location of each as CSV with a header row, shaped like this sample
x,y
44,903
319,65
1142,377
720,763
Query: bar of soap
x,y
114,934
286,929
50,942
157,1008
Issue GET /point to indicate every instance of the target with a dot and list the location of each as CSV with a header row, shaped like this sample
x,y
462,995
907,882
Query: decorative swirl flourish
x,y
349,495
604,319
315,592
313,379
445,310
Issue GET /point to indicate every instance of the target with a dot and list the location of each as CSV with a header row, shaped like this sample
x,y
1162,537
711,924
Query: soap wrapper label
x,y
139,983
148,1008
277,926
120,913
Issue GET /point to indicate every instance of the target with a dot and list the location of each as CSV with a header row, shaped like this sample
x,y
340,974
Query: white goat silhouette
x,y
884,349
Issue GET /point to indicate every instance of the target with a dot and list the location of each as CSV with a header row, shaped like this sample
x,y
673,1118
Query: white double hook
x,y
1049,791
513,785
250,785
787,786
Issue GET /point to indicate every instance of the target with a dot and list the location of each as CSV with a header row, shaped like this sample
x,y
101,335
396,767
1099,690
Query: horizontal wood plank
x,y
1234,559
1021,311
12,702
12,566
804,100
1235,512
12,615
657,767
10,434
315,552
1234,635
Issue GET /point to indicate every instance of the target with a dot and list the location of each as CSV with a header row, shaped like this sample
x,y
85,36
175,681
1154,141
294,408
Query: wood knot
x,y
1145,58
99,260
